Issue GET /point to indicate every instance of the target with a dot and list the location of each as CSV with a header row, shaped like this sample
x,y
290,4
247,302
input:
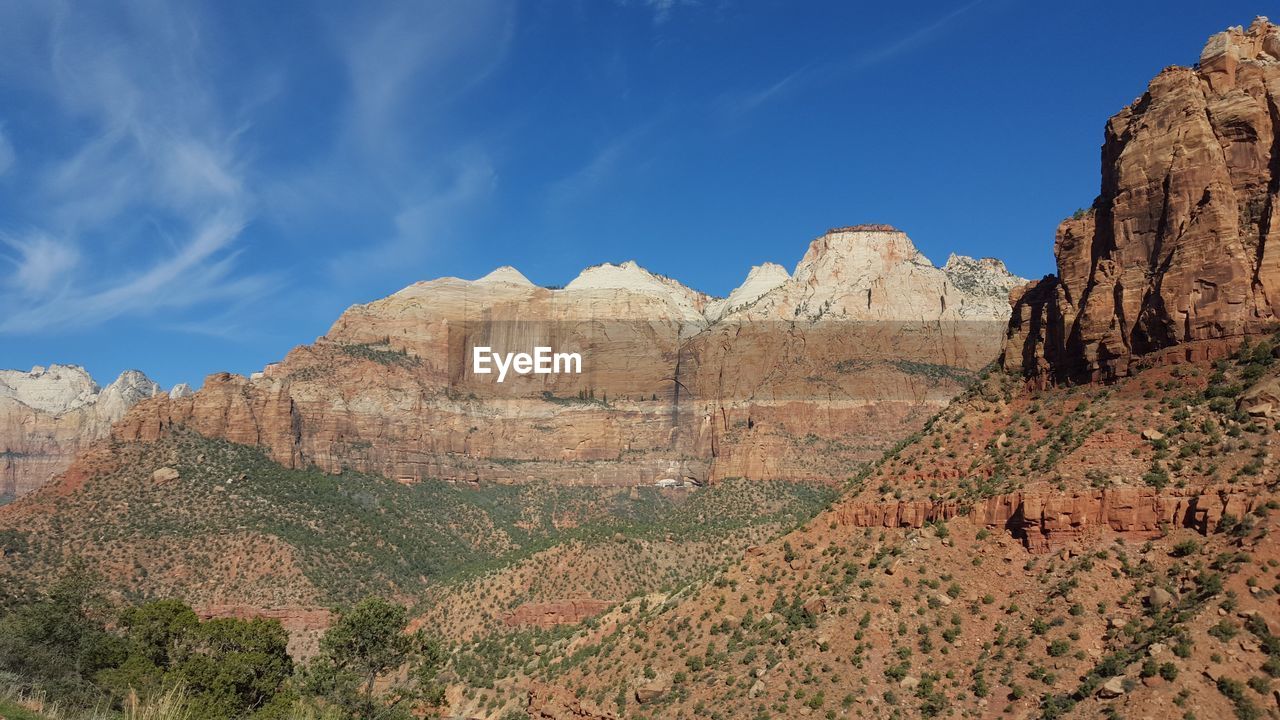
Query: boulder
x,y
816,606
1112,688
1159,597
652,690
1262,400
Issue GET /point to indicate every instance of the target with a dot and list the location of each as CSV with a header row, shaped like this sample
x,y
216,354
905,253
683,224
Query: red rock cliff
x,y
1180,253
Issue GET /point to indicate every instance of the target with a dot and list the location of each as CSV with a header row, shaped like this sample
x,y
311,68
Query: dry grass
x,y
169,705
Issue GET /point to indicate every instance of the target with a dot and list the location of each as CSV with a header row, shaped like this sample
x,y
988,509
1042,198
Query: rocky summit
x,y
1179,256
47,415
855,348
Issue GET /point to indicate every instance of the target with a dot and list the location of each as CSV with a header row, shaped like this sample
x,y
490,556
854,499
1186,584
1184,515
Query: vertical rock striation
x,y
1179,256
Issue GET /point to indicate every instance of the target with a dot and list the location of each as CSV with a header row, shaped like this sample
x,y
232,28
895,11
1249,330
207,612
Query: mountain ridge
x,y
685,385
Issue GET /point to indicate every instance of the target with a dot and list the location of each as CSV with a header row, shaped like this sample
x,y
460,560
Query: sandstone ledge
x,y
1047,522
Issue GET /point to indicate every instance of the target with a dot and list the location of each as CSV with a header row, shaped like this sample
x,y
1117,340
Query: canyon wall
x,y
798,375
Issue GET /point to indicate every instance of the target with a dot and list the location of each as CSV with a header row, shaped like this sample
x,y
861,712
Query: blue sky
x,y
189,188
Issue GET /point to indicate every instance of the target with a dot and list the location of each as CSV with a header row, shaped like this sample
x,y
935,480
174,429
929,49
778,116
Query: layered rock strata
x,y
794,376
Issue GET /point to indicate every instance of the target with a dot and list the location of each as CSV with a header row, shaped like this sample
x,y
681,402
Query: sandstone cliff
x,y
49,414
794,376
1179,256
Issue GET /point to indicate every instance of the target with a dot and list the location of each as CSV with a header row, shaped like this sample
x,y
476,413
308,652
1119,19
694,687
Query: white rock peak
x,y
131,387
981,276
875,272
58,389
859,251
627,276
860,272
761,280
54,389
506,274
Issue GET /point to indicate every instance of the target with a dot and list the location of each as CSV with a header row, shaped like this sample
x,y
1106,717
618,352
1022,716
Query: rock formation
x,y
49,414
875,273
761,280
862,341
1262,400
558,612
1045,522
1179,256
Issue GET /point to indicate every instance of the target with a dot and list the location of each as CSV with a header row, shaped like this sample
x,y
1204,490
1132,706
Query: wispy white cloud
x,y
39,263
422,184
413,49
423,222
144,214
756,98
152,197
662,9
816,74
911,41
601,167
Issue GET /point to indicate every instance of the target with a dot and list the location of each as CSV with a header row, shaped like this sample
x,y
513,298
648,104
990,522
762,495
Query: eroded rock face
x,y
1179,256
864,340
49,414
556,612
1046,522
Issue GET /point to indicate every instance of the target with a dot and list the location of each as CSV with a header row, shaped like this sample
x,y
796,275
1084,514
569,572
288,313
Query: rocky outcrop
x,y
1047,522
555,612
228,406
47,415
1179,256
864,340
1262,400
550,702
895,514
